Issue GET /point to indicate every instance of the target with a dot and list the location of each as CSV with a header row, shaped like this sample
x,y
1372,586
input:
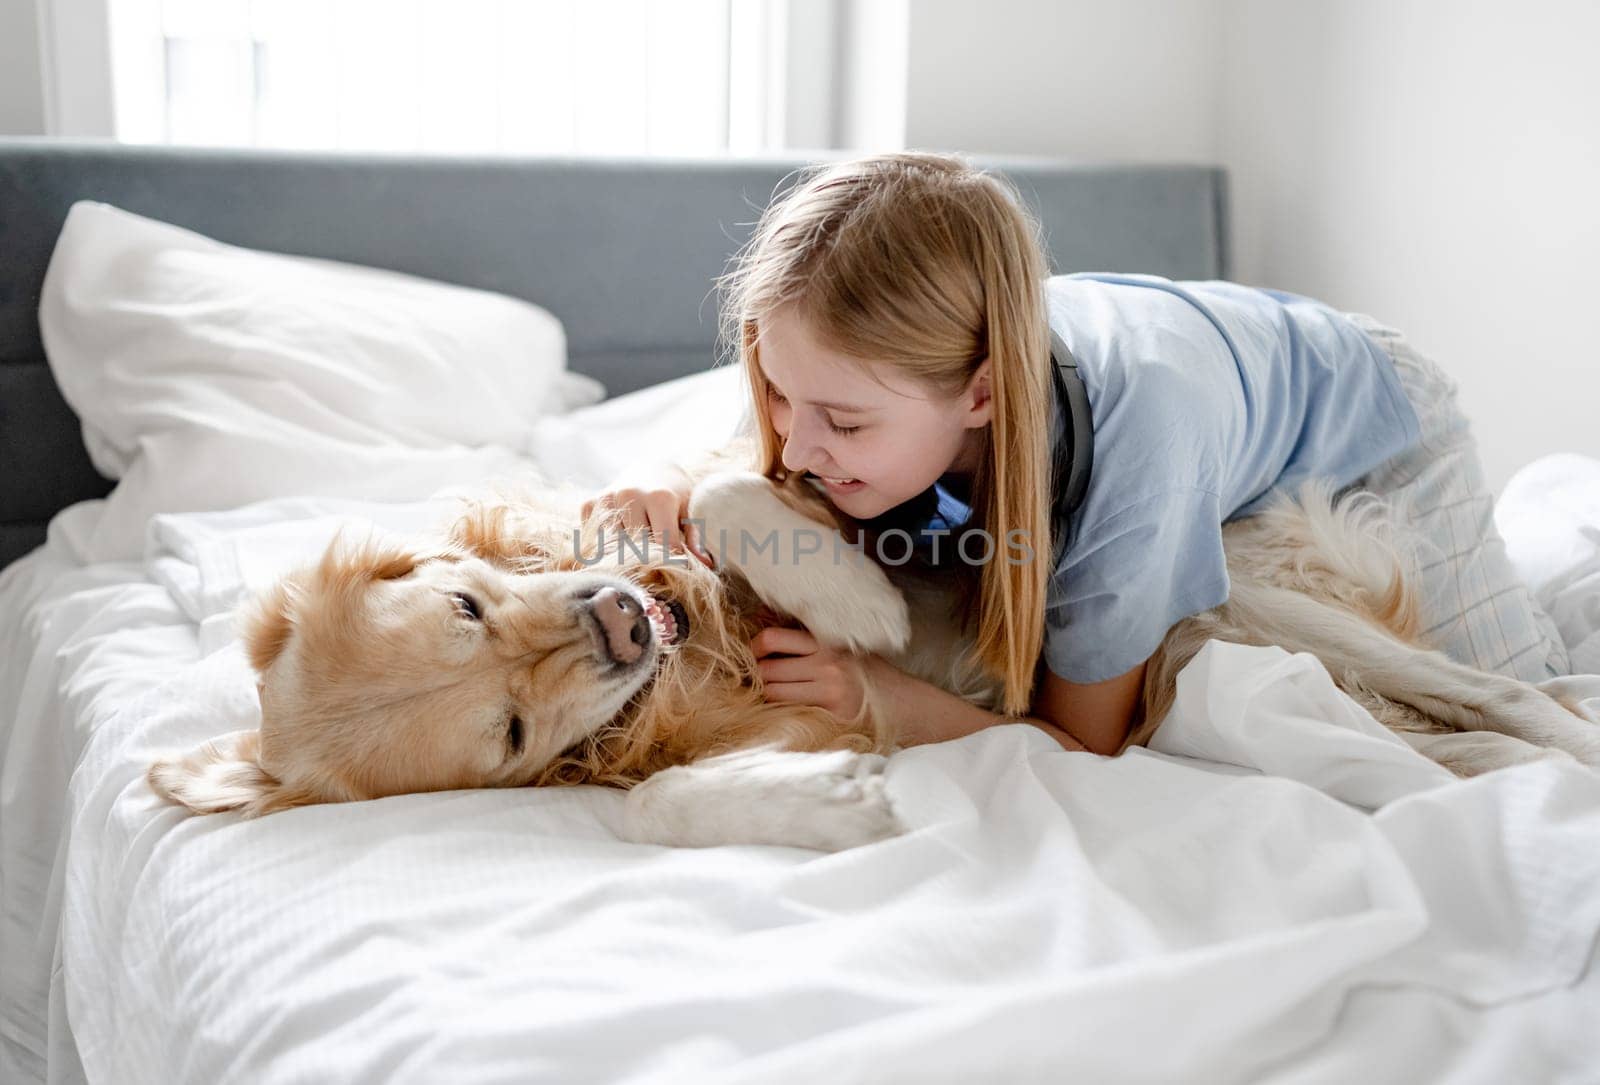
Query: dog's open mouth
x,y
670,620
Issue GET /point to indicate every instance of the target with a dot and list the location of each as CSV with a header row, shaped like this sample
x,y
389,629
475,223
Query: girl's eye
x,y
466,605
843,431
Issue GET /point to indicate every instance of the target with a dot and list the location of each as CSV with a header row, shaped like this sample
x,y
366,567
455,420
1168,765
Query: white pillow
x,y
208,376
672,421
1549,516
154,329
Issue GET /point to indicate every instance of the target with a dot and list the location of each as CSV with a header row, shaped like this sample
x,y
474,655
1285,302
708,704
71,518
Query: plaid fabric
x,y
1475,609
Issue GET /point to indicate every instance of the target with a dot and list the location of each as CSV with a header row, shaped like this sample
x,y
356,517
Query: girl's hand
x,y
656,500
798,669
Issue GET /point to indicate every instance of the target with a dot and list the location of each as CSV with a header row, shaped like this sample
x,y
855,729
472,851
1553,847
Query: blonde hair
x,y
931,265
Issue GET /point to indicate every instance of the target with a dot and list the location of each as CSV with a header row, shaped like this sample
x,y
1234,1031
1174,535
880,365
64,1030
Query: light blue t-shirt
x,y
1207,397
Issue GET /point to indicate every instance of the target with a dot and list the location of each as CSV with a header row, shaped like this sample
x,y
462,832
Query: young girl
x,y
896,326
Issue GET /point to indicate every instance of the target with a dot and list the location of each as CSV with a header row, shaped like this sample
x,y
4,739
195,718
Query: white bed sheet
x,y
74,641
1280,890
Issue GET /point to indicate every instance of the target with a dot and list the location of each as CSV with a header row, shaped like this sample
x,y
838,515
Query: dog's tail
x,y
1352,548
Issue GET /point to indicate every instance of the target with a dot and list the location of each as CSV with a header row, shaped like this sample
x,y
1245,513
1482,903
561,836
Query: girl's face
x,y
873,445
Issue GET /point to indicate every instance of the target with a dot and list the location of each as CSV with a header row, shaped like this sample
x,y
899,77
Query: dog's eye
x,y
514,733
466,604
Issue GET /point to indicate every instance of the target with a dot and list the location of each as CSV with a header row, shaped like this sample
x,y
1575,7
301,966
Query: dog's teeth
x,y
661,617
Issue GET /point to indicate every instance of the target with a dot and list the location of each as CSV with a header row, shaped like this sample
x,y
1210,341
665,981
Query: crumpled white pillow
x,y
153,329
209,376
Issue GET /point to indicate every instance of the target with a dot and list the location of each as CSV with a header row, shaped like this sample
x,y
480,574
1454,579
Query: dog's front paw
x,y
799,566
826,801
852,805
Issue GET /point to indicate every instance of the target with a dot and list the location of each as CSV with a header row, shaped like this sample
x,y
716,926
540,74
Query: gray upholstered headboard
x,y
623,251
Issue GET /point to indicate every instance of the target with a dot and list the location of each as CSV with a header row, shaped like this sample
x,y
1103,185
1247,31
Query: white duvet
x,y
1278,890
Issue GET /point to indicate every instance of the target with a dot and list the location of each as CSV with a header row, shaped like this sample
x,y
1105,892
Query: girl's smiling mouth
x,y
838,485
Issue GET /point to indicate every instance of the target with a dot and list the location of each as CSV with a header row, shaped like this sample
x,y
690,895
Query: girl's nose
x,y
799,448
795,457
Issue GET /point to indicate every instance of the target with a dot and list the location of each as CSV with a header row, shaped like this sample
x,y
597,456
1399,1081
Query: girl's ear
x,y
980,395
224,774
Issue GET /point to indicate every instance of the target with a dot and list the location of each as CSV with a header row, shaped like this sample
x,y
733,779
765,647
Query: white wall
x,y
1135,79
1435,163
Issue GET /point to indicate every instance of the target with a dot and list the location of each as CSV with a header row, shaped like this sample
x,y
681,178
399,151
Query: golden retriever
x,y
517,649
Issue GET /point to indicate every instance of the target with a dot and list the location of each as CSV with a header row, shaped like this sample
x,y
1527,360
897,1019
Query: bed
x,y
1276,890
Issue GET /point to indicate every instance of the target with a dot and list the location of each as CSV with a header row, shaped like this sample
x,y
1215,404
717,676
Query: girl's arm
x,y
1099,714
1096,717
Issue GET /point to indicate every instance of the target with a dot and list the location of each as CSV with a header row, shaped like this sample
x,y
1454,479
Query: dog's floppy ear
x,y
347,566
267,619
224,774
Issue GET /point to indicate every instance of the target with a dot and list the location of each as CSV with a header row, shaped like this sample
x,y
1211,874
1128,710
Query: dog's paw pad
x,y
854,808
859,781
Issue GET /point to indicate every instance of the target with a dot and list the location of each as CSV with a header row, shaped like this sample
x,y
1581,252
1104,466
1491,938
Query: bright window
x,y
468,76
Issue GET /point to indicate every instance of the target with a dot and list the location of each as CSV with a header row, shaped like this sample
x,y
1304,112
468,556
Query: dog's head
x,y
387,668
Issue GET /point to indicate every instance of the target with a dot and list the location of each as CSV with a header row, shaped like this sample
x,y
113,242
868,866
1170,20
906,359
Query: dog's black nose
x,y
623,622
